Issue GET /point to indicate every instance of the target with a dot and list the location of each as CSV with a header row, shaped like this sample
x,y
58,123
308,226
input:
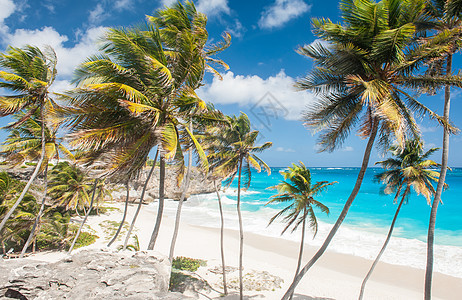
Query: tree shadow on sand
x,y
235,296
304,297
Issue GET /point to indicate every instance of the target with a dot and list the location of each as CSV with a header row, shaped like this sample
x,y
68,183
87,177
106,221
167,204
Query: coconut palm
x,y
28,73
131,99
298,192
410,167
448,23
24,144
234,154
362,77
181,22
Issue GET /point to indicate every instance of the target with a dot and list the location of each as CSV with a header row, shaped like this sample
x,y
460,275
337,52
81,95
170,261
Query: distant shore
x,y
335,276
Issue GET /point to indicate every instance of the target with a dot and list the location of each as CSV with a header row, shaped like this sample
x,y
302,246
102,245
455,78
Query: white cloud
x,y
60,86
168,2
68,57
424,129
236,30
98,14
213,7
7,8
347,149
253,90
123,4
282,149
281,12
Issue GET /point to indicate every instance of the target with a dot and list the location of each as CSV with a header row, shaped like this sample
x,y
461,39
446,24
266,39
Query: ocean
x,y
365,227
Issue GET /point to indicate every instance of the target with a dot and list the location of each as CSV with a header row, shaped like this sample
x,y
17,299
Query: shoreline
x,y
335,275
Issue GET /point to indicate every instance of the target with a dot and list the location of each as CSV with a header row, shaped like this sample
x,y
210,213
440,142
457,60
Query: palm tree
x,y
410,167
183,23
28,73
69,187
448,17
234,150
131,99
23,144
298,192
364,76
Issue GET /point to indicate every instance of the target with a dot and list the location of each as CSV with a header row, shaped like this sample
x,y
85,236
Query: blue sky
x,y
262,59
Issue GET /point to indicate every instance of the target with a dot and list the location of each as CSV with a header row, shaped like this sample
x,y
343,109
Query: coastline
x,y
335,276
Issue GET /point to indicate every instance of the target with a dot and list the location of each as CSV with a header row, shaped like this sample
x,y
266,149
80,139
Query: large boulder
x,y
89,274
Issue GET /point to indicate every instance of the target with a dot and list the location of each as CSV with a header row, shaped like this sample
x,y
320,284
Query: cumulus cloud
x,y
213,7
273,93
347,149
7,9
168,2
237,30
281,12
68,57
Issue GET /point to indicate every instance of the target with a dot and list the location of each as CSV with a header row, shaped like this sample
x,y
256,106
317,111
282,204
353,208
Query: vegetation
x,y
138,93
298,192
410,167
187,264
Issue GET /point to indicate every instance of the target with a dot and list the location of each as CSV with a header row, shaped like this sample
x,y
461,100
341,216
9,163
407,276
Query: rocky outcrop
x,y
89,274
199,185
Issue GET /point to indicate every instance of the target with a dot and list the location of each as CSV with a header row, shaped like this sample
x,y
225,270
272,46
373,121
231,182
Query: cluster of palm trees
x,y
138,95
366,75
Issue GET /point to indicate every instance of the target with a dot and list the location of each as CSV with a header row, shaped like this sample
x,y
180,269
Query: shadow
x,y
304,297
235,296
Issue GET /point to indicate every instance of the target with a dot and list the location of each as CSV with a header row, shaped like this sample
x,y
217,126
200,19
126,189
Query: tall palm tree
x,y
181,22
448,17
28,73
363,76
234,154
410,167
298,192
24,144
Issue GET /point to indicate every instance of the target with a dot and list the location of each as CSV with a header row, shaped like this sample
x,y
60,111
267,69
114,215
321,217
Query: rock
x,y
90,274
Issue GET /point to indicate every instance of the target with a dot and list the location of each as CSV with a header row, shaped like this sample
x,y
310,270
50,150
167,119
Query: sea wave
x,y
203,210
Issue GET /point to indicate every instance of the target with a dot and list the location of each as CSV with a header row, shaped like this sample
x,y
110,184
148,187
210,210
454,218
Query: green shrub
x,y
187,263
32,164
85,239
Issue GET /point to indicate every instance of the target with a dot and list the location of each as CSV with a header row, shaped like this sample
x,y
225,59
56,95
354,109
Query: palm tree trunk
x,y
141,201
34,230
160,211
300,253
348,203
439,188
180,205
385,244
241,232
86,217
123,218
31,179
222,226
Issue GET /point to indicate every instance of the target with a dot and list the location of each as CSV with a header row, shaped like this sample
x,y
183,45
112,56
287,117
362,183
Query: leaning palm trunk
x,y
222,227
300,253
385,244
32,178
160,211
123,218
241,232
348,203
84,219
439,188
180,205
34,229
127,238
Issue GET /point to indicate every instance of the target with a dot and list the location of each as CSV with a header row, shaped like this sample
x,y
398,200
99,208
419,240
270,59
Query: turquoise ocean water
x,y
365,227
372,209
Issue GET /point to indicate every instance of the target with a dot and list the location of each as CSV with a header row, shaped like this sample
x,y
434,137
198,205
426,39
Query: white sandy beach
x,y
335,276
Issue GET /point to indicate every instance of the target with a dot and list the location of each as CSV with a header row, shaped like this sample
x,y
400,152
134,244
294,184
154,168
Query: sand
x,y
334,276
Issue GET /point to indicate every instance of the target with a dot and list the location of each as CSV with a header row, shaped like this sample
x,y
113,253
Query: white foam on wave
x,y
203,210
